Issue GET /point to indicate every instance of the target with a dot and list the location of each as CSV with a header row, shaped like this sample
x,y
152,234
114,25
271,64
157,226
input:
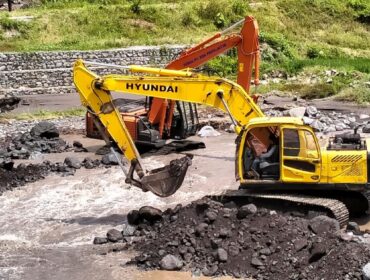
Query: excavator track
x,y
337,208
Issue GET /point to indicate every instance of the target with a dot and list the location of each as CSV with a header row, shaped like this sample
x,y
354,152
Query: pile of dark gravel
x,y
42,138
214,239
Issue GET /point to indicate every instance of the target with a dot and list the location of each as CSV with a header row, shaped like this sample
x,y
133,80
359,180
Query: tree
x,y
10,5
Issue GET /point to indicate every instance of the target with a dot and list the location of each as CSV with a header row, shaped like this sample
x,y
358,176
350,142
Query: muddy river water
x,y
47,227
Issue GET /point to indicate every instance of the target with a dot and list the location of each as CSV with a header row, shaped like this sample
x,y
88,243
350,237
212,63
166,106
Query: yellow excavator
x,y
277,158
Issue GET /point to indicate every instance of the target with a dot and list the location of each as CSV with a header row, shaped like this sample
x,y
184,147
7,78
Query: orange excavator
x,y
157,119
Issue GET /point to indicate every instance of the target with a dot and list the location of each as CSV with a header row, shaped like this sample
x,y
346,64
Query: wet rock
x,y
322,224
114,235
150,214
100,240
133,217
72,162
88,163
128,230
170,262
109,159
44,130
222,255
246,210
353,226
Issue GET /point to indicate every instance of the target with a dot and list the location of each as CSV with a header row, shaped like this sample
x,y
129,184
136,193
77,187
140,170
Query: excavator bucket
x,y
166,180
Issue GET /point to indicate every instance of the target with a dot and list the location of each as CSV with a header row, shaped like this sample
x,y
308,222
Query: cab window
x,y
291,142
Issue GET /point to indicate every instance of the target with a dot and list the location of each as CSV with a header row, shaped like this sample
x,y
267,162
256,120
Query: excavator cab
x,y
291,154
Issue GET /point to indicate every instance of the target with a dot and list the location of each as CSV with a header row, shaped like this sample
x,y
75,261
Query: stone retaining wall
x,y
51,72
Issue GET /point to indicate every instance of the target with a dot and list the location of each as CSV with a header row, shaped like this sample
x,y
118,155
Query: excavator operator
x,y
266,165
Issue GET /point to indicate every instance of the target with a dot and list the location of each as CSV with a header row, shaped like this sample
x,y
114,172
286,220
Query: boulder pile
x,y
213,238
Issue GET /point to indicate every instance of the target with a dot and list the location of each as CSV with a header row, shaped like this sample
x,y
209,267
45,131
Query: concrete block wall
x,y
51,72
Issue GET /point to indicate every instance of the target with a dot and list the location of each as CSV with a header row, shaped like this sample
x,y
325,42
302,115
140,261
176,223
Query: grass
x,y
296,36
44,114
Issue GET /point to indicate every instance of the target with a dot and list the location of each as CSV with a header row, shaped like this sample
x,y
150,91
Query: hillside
x,y
295,35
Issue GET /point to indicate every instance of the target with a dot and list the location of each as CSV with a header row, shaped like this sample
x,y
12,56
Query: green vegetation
x,y
44,114
296,36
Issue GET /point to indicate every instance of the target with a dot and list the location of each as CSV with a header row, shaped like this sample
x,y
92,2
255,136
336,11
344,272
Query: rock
x,y
256,262
224,233
353,226
133,217
366,271
200,229
211,216
210,271
128,230
233,250
221,255
230,205
88,163
300,244
321,224
114,235
311,111
317,251
366,128
297,112
78,147
170,262
109,159
307,120
44,130
317,125
72,162
364,116
346,236
100,240
150,214
246,210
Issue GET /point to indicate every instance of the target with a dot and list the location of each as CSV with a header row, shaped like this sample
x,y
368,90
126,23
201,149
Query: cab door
x,y
300,155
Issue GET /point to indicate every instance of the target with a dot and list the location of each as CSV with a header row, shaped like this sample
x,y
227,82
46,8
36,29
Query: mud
x,y
215,239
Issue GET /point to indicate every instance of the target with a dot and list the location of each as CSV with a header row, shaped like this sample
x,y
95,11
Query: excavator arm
x,y
95,94
247,44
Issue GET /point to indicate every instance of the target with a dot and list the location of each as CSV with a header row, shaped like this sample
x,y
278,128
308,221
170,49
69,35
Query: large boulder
x,y
150,214
322,224
44,130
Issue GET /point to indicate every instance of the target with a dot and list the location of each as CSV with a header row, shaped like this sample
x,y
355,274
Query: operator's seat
x,y
269,171
269,166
